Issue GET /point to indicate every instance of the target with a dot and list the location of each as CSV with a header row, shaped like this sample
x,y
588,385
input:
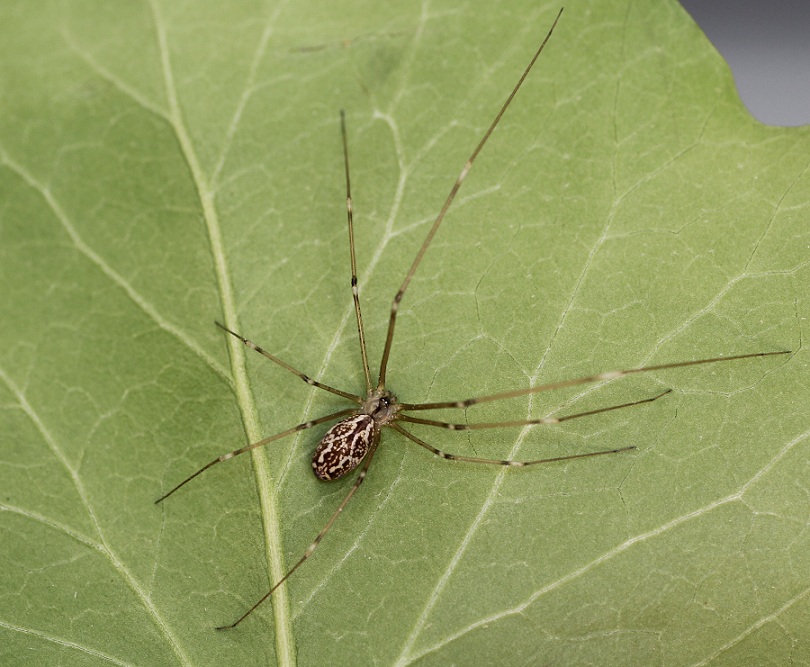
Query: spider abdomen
x,y
343,447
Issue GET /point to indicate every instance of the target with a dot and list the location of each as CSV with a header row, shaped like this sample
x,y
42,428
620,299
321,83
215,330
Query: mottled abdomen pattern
x,y
343,447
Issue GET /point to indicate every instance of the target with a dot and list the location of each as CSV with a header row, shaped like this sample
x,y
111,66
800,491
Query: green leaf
x,y
163,165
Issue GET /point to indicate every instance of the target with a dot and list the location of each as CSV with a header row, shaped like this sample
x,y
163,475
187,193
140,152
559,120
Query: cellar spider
x,y
354,439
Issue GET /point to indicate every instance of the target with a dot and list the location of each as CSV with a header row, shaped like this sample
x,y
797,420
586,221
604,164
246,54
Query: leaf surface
x,y
163,165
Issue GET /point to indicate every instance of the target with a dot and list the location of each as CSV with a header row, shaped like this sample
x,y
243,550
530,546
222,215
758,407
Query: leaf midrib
x,y
285,644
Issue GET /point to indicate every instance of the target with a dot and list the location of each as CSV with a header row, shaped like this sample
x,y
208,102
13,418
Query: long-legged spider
x,y
353,441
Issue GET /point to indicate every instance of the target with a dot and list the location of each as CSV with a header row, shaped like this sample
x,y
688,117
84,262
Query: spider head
x,y
381,406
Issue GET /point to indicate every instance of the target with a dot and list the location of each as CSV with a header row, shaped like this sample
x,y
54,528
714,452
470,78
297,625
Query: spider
x,y
354,439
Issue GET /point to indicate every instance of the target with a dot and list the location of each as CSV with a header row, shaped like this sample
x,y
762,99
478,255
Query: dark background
x,y
767,45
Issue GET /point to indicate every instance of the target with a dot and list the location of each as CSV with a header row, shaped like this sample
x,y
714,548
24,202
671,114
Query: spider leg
x,y
236,452
294,371
311,548
611,375
526,422
355,291
500,462
392,318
